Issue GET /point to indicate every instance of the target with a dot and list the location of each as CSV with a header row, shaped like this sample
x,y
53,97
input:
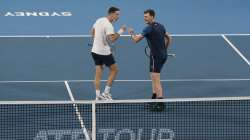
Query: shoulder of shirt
x,y
148,26
101,19
105,19
160,25
157,23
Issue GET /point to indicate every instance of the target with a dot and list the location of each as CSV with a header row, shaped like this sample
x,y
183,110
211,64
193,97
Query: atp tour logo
x,y
37,14
107,134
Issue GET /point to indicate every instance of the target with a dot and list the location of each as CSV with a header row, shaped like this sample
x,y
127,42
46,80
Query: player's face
x,y
148,18
115,15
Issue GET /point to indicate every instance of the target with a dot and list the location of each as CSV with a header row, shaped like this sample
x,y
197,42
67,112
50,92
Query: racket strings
x,y
148,52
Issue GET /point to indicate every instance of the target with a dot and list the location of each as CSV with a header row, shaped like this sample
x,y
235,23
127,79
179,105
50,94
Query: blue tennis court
x,y
204,66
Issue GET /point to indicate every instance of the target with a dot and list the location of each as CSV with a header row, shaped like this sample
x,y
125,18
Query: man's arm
x,y
168,39
135,38
92,32
113,37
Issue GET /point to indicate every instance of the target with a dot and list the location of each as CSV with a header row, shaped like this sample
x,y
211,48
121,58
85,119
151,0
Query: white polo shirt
x,y
103,27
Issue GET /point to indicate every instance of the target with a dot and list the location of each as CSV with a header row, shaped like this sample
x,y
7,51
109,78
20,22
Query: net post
x,y
93,120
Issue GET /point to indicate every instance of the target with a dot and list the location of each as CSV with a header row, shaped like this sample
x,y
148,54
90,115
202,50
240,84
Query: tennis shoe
x,y
107,96
100,97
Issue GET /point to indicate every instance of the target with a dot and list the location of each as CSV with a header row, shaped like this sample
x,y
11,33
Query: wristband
x,y
121,31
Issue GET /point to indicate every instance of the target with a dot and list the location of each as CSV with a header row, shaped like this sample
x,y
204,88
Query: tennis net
x,y
223,118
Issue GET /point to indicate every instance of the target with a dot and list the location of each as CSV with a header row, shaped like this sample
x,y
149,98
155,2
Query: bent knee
x,y
114,68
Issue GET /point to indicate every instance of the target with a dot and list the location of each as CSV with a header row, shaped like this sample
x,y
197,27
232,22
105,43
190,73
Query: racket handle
x,y
171,55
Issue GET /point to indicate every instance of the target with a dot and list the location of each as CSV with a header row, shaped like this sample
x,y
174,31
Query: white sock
x,y
107,89
97,92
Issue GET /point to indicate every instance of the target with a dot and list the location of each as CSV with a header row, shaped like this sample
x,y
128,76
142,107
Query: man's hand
x,y
114,37
131,31
134,37
122,29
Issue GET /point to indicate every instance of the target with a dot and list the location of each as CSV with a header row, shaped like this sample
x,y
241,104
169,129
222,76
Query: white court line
x,y
74,35
164,80
236,50
85,132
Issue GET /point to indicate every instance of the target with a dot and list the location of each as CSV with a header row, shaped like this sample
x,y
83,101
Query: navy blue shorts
x,y
107,60
156,64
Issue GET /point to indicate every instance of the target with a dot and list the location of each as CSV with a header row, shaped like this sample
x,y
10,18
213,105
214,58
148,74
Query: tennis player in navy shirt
x,y
158,41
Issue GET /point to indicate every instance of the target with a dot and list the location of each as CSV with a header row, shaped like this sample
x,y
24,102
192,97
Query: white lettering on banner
x,y
9,14
19,14
42,135
31,14
116,134
66,14
126,131
44,14
169,134
106,132
55,14
60,134
38,14
153,133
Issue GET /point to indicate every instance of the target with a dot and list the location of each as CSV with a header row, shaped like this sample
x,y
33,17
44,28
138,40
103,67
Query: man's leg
x,y
156,82
155,69
113,72
152,69
154,95
98,76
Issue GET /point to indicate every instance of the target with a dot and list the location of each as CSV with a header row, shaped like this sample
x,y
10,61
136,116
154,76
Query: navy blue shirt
x,y
155,36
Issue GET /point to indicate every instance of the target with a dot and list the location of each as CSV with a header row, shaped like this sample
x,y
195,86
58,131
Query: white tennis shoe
x,y
100,97
107,96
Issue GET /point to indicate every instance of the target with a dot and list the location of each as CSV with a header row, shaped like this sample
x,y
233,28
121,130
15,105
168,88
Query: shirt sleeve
x,y
164,29
94,25
146,31
109,29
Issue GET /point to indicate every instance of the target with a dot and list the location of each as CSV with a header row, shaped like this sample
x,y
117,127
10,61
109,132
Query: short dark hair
x,y
150,11
113,9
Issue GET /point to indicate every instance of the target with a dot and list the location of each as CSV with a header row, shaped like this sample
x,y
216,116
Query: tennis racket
x,y
148,52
